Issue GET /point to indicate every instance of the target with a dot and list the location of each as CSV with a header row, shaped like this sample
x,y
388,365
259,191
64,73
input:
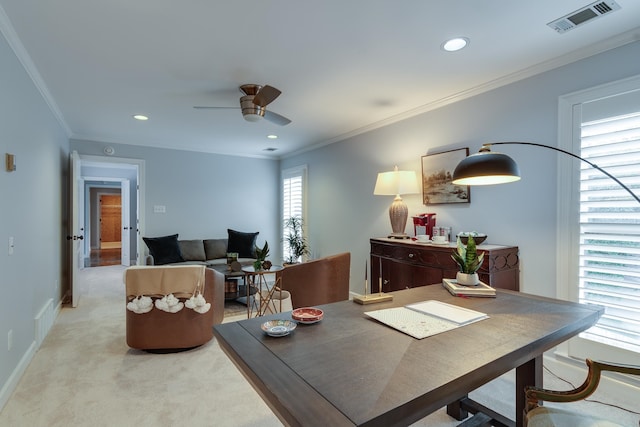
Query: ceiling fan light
x,y
251,117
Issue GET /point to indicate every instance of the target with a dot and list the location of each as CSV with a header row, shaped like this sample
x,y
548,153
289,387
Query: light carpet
x,y
85,375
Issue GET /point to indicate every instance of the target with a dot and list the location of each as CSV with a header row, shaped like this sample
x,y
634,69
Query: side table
x,y
255,278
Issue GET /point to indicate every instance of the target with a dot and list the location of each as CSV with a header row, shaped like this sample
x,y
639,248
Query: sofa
x,y
320,281
208,252
152,326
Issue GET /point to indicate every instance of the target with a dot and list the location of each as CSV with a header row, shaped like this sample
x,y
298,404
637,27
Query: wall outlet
x,y
10,339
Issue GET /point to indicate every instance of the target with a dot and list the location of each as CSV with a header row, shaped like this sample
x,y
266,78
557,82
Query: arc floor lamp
x,y
486,167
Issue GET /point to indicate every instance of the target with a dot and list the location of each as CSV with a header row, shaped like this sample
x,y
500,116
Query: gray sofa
x,y
210,252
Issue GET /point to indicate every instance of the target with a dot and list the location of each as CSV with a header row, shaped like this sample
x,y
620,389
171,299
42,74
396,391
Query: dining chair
x,y
539,416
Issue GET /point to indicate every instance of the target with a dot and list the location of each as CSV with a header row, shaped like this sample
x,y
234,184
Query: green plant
x,y
295,243
467,257
261,255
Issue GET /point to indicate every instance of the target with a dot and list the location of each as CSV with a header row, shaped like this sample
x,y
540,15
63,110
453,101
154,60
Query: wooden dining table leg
x,y
529,373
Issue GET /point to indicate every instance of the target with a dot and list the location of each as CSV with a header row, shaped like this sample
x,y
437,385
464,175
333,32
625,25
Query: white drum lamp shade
x,y
396,183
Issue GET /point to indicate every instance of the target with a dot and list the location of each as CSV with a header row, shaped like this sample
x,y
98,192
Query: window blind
x,y
609,261
293,183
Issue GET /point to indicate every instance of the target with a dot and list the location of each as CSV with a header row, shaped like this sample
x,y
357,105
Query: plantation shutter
x,y
293,187
609,260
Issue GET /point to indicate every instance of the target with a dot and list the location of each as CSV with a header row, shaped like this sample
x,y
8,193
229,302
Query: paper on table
x,y
452,313
423,319
411,322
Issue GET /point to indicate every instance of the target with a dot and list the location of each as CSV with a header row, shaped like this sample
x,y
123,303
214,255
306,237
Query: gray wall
x,y
32,210
344,213
204,194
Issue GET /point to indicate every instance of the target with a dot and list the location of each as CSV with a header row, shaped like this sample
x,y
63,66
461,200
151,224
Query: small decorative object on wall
x,y
437,172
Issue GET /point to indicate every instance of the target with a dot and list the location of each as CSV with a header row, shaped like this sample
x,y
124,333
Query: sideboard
x,y
408,264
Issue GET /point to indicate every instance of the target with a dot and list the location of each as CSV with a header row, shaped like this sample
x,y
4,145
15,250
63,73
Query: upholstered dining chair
x,y
320,281
542,416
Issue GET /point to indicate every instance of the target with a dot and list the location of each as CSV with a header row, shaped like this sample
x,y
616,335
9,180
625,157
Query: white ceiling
x,y
343,67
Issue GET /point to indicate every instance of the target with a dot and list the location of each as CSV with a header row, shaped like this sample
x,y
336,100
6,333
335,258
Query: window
x,y
294,182
602,266
609,272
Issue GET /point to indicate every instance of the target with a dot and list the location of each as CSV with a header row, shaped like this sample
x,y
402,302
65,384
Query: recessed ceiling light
x,y
455,44
140,117
272,136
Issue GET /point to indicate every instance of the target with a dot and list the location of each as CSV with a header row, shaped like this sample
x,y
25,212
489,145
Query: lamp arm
x,y
593,165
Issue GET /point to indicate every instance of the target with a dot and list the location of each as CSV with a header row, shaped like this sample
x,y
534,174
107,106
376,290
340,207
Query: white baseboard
x,y
18,372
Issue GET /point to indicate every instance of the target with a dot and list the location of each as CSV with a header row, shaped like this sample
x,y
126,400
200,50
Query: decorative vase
x,y
267,265
467,279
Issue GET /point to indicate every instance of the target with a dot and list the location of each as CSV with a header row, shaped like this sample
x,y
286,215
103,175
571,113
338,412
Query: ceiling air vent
x,y
580,16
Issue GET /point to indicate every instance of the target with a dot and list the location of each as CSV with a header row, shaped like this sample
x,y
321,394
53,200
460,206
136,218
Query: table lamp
x,y
486,167
395,183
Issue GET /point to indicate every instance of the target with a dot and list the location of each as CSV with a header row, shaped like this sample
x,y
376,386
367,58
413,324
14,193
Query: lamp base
x,y
398,236
372,298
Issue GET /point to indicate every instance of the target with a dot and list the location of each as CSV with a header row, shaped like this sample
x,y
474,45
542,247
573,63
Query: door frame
x,y
139,165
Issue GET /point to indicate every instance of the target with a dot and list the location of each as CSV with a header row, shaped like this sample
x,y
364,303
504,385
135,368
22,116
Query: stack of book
x,y
479,290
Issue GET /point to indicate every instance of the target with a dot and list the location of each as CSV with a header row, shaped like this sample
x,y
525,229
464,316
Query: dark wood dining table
x,y
351,370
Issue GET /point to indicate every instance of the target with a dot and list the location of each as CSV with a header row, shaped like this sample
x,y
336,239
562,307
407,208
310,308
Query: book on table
x,y
427,318
479,290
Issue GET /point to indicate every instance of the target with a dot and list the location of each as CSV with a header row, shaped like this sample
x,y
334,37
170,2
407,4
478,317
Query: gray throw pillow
x,y
164,250
192,250
215,248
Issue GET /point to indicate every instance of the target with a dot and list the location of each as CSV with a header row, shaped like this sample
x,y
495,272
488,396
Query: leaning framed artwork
x,y
437,171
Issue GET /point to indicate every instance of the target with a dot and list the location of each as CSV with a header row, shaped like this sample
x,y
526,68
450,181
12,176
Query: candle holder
x,y
372,298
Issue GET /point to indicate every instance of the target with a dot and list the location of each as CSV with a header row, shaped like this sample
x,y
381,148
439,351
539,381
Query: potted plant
x,y
296,243
261,258
468,260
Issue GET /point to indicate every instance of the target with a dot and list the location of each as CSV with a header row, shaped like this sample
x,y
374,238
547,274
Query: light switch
x,y
159,209
11,245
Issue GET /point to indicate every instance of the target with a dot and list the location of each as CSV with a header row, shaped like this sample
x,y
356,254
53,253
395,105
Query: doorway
x,y
111,209
110,221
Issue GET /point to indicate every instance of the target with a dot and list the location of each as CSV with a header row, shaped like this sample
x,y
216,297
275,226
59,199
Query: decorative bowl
x,y
477,237
278,328
307,314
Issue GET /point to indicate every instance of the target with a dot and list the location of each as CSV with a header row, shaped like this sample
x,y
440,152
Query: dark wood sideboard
x,y
407,264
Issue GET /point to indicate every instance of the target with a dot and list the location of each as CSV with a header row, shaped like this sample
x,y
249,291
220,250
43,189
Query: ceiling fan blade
x,y
266,96
276,118
200,107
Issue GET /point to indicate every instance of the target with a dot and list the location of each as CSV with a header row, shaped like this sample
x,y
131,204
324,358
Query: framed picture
x,y
437,171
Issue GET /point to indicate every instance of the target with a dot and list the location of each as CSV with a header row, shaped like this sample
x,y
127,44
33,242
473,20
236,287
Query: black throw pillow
x,y
164,250
243,243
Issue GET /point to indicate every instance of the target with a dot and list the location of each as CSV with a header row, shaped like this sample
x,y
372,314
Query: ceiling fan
x,y
254,102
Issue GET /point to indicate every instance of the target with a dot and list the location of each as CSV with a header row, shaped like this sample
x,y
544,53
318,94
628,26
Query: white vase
x,y
467,279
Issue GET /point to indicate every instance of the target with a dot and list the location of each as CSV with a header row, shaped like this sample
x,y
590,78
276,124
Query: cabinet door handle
x,y
410,255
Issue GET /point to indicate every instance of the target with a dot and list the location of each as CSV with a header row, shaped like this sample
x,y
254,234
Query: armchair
x,y
541,416
149,327
320,281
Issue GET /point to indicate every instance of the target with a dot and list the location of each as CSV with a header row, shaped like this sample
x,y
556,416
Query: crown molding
x,y
594,49
6,28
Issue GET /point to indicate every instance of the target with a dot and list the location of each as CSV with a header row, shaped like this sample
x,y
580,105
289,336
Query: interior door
x,y
76,234
125,251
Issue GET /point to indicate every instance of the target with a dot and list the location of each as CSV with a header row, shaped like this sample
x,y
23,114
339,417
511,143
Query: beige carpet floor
x,y
85,375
